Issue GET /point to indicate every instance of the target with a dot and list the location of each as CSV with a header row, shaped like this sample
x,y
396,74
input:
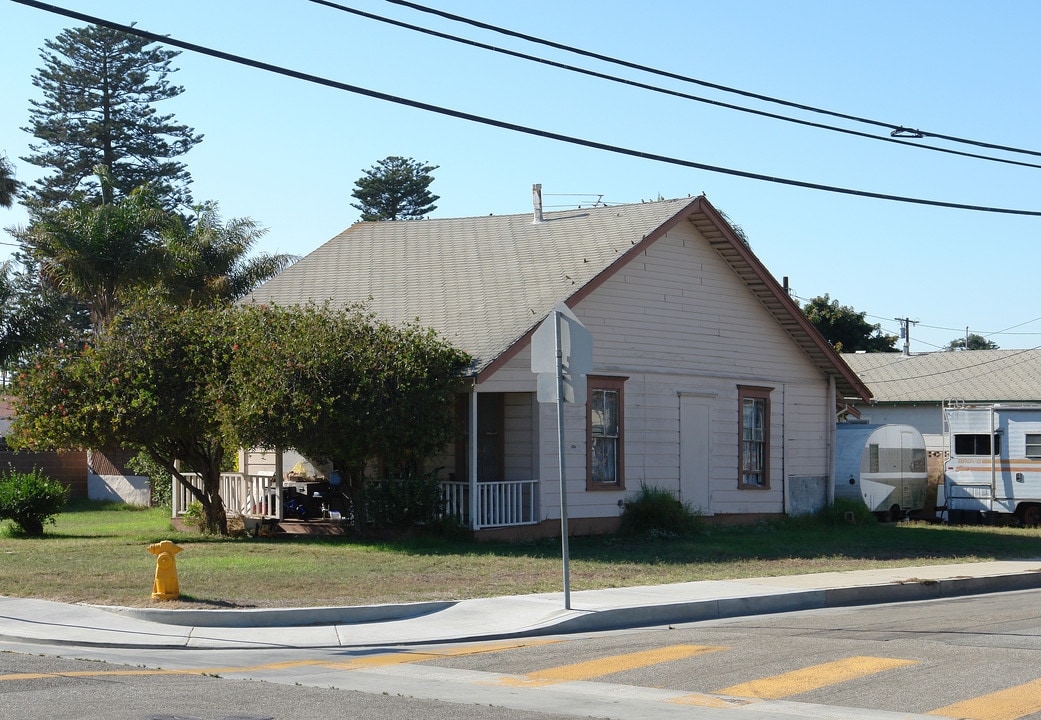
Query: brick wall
x,y
67,467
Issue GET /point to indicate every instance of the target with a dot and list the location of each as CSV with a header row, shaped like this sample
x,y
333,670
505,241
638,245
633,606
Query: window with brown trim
x,y
605,433
754,431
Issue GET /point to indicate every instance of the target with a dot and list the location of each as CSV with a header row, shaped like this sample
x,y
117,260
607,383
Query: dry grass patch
x,y
98,554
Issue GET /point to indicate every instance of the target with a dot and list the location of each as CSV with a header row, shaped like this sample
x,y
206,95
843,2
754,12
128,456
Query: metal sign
x,y
576,356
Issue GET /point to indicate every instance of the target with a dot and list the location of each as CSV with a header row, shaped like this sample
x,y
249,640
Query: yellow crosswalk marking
x,y
811,678
357,663
1015,702
607,665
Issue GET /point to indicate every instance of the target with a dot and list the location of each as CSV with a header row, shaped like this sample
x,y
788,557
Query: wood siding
x,y
676,320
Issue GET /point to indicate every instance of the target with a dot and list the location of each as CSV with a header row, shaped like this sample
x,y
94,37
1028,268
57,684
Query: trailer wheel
x,y
895,514
1029,515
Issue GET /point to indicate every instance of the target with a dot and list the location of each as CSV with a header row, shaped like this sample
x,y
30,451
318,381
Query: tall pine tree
x,y
395,188
100,87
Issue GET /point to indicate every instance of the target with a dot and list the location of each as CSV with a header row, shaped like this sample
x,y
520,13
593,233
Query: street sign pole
x,y
562,357
560,454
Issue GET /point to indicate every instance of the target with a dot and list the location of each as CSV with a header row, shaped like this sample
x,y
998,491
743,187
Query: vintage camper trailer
x,y
993,464
882,466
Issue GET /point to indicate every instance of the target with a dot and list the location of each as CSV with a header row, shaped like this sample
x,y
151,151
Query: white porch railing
x,y
499,504
254,495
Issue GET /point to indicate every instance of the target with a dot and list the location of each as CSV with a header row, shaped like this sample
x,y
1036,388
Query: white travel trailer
x,y
993,462
882,466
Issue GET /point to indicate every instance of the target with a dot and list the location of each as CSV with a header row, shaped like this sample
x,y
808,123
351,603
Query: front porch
x,y
489,469
267,497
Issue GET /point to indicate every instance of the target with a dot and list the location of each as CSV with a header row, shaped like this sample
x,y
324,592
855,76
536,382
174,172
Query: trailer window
x,y
1033,449
975,444
873,463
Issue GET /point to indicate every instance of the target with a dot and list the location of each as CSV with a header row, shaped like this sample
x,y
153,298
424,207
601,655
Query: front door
x,y
695,431
490,423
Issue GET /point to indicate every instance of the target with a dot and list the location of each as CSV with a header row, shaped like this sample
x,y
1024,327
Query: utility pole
x,y
905,332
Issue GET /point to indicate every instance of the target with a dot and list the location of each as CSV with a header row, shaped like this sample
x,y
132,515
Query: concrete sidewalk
x,y
40,621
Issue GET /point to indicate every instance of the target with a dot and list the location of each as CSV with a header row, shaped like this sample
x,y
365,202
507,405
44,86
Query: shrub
x,y
194,517
159,483
657,513
30,499
404,502
847,512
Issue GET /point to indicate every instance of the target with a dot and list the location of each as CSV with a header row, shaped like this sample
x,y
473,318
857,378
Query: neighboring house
x,y
707,378
911,389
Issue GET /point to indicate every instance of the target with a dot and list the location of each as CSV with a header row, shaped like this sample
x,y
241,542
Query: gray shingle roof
x,y
481,282
970,375
484,282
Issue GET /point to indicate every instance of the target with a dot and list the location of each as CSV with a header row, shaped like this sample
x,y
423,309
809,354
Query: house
x,y
912,389
707,378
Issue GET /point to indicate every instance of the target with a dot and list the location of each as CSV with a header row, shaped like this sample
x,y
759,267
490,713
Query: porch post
x,y
475,521
175,497
829,496
278,483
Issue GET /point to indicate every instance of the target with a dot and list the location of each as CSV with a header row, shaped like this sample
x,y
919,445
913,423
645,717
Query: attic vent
x,y
536,201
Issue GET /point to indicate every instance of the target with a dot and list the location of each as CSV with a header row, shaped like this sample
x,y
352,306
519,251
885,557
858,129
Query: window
x,y
975,444
754,432
605,423
1033,449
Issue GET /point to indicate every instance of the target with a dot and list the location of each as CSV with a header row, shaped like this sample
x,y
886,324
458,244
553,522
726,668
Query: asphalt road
x,y
974,657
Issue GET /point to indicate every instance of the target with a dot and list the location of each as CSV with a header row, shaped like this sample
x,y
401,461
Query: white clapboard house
x,y
707,379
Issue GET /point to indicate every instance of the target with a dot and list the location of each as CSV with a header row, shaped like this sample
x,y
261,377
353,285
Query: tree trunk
x,y
213,506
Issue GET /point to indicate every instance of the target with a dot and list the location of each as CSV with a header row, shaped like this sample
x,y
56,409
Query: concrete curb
x,y
280,617
700,610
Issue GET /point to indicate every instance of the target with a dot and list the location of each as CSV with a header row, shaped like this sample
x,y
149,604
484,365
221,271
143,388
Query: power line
x,y
606,147
657,89
896,129
982,333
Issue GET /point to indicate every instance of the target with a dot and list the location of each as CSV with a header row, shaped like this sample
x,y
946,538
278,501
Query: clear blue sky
x,y
287,153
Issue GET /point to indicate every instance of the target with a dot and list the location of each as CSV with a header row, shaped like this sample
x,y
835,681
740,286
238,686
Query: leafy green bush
x,y
160,486
31,499
656,512
404,502
193,516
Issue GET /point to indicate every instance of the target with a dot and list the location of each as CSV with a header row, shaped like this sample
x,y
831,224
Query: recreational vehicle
x,y
993,464
882,466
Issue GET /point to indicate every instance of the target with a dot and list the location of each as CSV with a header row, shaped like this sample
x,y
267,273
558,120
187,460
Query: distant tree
x,y
9,187
100,88
210,261
971,342
96,253
395,188
845,328
34,316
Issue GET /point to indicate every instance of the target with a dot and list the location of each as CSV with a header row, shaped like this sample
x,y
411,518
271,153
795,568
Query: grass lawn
x,y
98,554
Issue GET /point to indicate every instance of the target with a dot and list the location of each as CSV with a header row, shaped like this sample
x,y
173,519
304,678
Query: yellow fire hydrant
x,y
165,586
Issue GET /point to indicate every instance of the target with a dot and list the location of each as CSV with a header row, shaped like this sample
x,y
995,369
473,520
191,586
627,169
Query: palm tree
x,y
97,253
9,187
210,263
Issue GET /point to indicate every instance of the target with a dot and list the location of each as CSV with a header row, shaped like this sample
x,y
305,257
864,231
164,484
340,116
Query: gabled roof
x,y
970,375
485,283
